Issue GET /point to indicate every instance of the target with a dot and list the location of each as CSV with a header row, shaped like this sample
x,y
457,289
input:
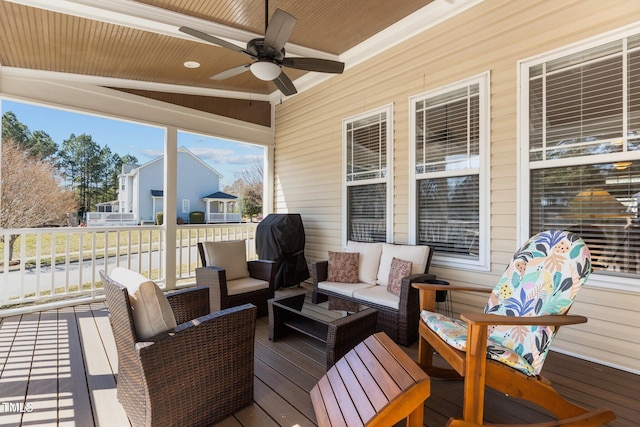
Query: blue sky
x,y
144,142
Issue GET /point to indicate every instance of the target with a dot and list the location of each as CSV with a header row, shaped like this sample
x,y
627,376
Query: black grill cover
x,y
280,238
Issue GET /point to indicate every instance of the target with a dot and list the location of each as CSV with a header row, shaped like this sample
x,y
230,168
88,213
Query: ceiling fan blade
x,y
231,72
214,40
285,85
314,64
279,30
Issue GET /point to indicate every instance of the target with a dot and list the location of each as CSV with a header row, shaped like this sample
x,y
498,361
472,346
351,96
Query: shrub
x,y
196,217
159,218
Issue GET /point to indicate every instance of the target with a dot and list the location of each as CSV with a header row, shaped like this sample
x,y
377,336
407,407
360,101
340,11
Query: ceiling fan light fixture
x,y
265,70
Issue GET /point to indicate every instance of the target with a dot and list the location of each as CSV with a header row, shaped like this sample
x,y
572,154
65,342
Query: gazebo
x,y
229,204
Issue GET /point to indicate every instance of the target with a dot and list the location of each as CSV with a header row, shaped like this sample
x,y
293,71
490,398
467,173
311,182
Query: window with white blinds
x,y
449,134
367,156
584,149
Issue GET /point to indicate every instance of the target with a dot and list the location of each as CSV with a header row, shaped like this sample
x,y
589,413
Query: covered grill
x,y
280,238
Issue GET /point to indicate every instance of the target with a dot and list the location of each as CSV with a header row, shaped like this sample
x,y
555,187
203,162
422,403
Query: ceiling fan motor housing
x,y
256,48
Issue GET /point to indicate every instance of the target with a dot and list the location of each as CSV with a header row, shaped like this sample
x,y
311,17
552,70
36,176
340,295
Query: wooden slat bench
x,y
375,384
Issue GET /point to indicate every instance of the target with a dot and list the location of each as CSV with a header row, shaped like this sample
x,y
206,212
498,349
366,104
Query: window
x,y
449,183
367,154
581,148
186,205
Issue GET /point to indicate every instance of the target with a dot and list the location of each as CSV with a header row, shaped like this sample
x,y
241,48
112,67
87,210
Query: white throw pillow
x,y
152,313
232,256
369,259
418,255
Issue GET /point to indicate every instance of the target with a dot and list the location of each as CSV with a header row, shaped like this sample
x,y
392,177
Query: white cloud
x,y
152,154
221,156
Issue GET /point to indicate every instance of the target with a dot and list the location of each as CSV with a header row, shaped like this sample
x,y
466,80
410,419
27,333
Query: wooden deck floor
x,y
63,365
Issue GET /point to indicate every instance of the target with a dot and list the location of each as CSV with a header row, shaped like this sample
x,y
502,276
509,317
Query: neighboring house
x,y
140,195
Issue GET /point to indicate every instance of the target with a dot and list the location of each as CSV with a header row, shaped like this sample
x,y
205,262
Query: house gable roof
x,y
220,195
217,195
180,150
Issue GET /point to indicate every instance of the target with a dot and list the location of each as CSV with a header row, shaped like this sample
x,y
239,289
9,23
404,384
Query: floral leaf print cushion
x,y
543,278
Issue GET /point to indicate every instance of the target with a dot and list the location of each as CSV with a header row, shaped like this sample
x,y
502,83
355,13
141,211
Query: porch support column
x,y
170,206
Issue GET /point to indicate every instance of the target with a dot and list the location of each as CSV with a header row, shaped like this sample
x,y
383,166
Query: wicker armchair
x,y
195,374
231,279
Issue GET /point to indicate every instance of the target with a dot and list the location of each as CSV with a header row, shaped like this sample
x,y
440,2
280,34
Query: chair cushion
x,y
343,267
418,255
454,333
231,256
152,313
399,269
378,295
244,285
543,277
341,288
369,260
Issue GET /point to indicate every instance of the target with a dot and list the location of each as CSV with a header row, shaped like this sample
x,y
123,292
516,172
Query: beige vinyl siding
x,y
493,36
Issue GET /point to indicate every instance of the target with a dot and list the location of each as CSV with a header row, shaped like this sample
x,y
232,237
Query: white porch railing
x,y
54,265
98,219
188,237
223,217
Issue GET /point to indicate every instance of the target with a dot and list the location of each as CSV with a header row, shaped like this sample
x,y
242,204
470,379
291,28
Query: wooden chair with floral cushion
x,y
505,347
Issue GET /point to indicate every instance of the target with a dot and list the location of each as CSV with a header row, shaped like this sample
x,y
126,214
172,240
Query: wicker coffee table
x,y
340,335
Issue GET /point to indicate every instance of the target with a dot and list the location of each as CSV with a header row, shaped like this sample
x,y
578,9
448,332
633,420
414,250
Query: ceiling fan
x,y
268,53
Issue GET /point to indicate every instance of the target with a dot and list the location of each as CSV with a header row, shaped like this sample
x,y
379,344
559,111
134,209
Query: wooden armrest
x,y
419,278
548,320
429,290
442,287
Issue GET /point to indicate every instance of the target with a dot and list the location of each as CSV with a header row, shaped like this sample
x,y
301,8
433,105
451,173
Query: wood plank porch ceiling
x,y
35,38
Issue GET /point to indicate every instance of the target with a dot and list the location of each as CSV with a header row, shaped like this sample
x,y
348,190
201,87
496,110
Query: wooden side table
x,y
374,384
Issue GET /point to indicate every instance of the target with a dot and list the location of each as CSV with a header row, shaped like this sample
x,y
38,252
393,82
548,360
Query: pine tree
x,y
82,165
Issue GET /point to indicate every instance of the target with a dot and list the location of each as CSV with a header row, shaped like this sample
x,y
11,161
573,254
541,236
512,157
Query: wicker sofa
x,y
196,372
398,315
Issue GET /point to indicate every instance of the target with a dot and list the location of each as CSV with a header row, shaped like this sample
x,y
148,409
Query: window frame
x,y
525,165
388,179
483,172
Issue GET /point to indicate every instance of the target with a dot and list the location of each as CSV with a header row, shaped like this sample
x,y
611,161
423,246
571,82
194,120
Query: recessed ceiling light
x,y
192,64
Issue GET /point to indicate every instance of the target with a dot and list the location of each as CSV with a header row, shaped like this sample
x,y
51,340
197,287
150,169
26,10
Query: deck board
x,y
16,374
74,403
100,378
64,363
42,389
